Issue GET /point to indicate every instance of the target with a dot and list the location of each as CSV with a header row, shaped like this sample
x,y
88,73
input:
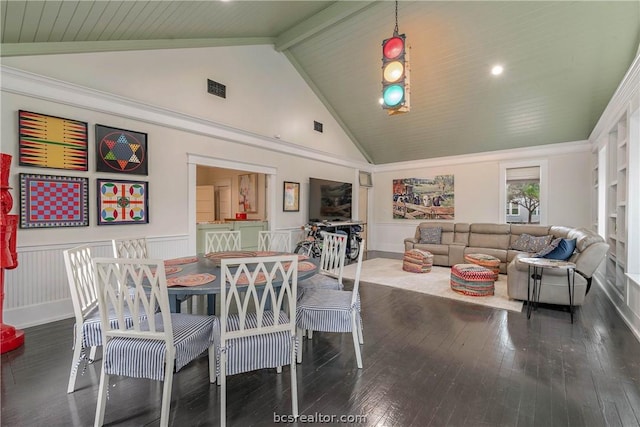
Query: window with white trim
x,y
522,192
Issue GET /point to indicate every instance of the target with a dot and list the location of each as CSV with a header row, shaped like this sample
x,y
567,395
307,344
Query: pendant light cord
x,y
395,31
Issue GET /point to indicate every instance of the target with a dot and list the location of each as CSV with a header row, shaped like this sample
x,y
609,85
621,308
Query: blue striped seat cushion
x,y
92,330
259,351
321,281
145,358
325,310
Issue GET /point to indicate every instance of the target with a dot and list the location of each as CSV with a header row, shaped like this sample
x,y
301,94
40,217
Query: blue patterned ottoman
x,y
472,280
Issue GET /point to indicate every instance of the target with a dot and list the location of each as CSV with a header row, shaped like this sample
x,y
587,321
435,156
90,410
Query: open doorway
x,y
218,195
224,180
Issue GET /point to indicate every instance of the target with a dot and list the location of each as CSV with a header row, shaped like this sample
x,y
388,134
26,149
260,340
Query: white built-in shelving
x,y
616,203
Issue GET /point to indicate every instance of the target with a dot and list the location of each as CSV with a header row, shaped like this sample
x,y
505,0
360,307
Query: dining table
x,y
201,275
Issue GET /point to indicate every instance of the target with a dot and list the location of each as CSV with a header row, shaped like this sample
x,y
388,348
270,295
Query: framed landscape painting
x,y
53,201
424,198
52,142
121,151
122,202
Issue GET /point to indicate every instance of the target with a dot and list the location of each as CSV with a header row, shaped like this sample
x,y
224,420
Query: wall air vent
x,y
217,89
317,126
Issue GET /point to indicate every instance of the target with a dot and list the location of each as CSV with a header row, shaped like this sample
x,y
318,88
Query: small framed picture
x,y
122,202
121,151
291,197
53,201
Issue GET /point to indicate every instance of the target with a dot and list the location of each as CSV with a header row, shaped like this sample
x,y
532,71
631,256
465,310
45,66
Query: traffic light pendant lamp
x,y
395,72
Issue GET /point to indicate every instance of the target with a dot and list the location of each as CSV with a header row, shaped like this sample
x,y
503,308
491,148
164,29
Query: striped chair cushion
x,y
144,358
260,351
92,330
320,281
325,310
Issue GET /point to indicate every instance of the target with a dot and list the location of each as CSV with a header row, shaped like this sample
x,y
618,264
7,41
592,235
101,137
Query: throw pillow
x,y
563,251
554,244
431,235
532,244
536,244
521,243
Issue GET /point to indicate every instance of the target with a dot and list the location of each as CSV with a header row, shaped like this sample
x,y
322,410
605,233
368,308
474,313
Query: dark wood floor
x,y
428,361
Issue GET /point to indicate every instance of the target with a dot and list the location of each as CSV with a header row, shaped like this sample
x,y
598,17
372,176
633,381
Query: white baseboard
x,y
33,315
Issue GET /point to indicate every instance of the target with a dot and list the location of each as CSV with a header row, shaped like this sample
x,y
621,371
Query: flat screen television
x,y
329,200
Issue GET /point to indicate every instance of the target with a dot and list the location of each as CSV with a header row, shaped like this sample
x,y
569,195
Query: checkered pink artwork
x,y
53,201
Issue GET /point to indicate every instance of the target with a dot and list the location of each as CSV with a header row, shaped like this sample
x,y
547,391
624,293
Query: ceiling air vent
x,y
217,89
317,126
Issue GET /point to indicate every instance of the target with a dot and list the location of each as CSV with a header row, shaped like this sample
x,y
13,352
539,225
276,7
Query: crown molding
x,y
539,151
56,48
48,89
622,97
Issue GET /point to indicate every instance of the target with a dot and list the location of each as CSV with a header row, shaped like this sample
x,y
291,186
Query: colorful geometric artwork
x,y
122,151
53,201
52,142
123,202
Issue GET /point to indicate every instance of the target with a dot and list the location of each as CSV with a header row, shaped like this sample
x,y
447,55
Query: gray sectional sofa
x,y
458,239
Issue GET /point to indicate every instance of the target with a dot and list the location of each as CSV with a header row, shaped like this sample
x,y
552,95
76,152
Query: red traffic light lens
x,y
393,47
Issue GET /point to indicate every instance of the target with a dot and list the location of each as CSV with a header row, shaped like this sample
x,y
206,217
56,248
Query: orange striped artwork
x,y
52,142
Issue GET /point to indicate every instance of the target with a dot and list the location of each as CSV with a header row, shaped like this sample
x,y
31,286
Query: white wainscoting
x,y
389,236
37,291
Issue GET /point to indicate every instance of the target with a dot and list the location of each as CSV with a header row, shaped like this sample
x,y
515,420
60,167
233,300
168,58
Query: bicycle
x,y
311,246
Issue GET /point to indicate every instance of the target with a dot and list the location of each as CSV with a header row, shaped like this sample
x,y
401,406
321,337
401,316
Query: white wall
x,y
176,129
265,94
477,189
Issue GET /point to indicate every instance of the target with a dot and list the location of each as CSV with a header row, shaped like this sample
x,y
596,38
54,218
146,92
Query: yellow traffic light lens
x,y
393,71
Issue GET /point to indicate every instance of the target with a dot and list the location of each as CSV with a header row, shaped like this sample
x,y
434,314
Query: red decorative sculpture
x,y
10,337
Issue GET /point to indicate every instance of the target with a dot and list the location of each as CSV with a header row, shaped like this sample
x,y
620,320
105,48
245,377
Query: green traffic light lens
x,y
393,95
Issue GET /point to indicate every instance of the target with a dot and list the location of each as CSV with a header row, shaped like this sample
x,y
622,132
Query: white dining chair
x,y
151,347
257,319
222,241
278,241
87,330
130,248
331,310
330,270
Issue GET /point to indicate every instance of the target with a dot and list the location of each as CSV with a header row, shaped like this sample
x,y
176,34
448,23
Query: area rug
x,y
389,272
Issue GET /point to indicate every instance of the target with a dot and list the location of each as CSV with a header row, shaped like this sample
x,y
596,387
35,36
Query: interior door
x,y
205,203
223,193
363,203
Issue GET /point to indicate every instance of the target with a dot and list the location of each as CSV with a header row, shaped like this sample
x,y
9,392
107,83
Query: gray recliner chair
x,y
590,251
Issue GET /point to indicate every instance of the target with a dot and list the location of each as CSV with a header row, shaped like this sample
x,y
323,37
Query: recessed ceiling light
x,y
381,101
497,70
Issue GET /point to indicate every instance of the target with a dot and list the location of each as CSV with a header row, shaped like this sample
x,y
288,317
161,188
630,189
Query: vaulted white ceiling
x,y
562,60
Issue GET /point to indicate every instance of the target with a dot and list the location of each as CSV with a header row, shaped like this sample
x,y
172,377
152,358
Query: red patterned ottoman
x,y
472,279
484,260
417,261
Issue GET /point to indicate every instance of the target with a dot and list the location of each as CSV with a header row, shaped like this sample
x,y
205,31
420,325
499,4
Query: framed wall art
x,y
122,202
121,151
424,198
53,201
291,197
248,193
52,142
